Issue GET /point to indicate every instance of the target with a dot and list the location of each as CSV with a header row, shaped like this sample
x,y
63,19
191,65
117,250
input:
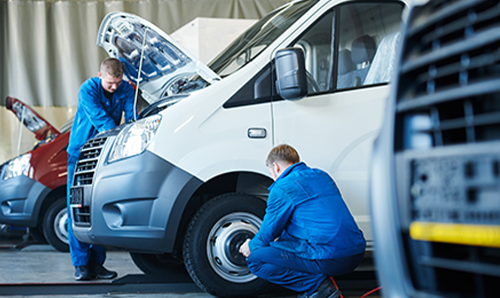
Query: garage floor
x,y
28,269
34,270
43,264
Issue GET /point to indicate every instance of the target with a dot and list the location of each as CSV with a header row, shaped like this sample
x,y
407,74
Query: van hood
x,y
166,67
31,119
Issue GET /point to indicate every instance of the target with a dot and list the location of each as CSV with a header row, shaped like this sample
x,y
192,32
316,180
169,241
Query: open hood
x,y
31,119
166,68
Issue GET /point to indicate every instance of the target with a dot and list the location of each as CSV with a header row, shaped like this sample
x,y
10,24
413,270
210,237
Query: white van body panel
x,y
335,133
214,131
202,112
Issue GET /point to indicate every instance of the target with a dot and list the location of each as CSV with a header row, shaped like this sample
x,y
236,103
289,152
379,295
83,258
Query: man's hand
x,y
244,249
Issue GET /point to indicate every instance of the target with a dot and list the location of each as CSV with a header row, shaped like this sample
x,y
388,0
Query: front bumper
x,y
20,201
134,204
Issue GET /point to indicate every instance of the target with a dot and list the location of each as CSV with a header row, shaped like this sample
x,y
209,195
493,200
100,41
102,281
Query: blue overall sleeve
x,y
279,209
93,108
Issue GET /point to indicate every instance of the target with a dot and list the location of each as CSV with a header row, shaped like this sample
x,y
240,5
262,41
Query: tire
x,y
211,247
157,264
55,225
37,235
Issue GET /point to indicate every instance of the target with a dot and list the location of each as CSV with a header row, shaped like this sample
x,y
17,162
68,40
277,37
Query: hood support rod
x,y
139,75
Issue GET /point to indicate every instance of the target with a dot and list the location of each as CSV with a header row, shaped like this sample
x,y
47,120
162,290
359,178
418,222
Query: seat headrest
x,y
363,49
345,62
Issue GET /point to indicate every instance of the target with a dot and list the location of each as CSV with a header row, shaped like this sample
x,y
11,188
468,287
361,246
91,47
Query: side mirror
x,y
291,79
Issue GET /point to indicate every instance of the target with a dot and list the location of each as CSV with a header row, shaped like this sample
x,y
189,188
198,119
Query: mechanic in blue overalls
x,y
308,234
101,102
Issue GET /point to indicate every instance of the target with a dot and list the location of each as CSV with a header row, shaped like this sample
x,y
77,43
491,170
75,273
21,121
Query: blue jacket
x,y
95,113
307,212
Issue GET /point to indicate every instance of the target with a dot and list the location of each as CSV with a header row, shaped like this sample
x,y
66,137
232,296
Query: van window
x,y
253,41
256,90
359,38
317,44
368,35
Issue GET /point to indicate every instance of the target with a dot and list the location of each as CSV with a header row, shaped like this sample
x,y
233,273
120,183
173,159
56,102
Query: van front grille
x,y
84,175
447,147
82,216
87,162
449,84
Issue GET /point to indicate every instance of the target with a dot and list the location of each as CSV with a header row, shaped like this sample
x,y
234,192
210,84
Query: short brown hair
x,y
283,153
111,66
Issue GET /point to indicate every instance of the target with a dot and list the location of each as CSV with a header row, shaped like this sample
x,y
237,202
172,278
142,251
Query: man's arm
x,y
279,209
88,102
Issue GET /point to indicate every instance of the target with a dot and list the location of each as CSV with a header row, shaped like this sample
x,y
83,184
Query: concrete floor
x,y
41,265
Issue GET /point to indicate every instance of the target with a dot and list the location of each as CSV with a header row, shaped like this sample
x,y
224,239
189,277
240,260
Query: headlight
x,y
18,166
134,139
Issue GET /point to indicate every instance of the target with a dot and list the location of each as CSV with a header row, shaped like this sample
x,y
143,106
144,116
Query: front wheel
x,y
211,246
37,235
55,225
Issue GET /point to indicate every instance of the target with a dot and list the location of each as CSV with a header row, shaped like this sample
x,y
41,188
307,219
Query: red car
x,y
33,185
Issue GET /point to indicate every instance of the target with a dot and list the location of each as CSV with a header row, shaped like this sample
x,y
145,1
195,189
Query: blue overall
x,y
307,234
95,113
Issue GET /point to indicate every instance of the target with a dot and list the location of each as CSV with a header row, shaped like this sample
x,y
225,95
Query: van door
x,y
349,55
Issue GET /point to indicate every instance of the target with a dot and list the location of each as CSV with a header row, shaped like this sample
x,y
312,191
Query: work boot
x,y
99,272
325,290
82,273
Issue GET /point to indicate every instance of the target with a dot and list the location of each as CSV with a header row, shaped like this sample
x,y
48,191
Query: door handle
x,y
257,133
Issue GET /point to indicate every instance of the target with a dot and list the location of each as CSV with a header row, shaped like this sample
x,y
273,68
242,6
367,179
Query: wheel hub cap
x,y
61,225
224,243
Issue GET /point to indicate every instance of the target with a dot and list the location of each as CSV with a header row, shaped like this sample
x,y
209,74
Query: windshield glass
x,y
251,43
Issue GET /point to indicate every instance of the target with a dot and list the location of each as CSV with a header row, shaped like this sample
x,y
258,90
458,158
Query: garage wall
x,y
48,48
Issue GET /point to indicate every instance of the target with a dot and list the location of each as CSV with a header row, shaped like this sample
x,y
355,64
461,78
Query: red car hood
x,y
31,119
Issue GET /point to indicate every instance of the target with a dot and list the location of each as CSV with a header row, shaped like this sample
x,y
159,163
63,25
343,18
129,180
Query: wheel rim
x,y
223,245
61,225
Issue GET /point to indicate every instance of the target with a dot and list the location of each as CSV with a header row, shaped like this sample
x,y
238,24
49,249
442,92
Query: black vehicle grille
x,y
84,175
449,84
87,162
82,216
447,144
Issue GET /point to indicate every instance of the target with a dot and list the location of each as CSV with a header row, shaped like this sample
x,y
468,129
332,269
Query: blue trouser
x,y
81,252
290,271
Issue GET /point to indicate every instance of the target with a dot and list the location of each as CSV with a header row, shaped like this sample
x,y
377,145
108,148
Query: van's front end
x,y
117,190
435,196
119,177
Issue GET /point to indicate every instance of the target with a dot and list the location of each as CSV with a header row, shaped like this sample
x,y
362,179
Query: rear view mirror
x,y
291,80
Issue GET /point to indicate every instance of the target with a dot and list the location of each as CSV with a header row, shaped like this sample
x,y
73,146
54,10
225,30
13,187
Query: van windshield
x,y
253,41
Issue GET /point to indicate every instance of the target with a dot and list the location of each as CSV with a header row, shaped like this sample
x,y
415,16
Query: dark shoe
x,y
325,290
99,272
82,273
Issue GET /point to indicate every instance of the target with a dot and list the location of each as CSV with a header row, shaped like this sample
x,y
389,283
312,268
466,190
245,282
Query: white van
x,y
188,181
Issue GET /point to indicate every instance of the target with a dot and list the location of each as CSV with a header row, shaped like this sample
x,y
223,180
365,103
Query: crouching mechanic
x,y
101,102
308,234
